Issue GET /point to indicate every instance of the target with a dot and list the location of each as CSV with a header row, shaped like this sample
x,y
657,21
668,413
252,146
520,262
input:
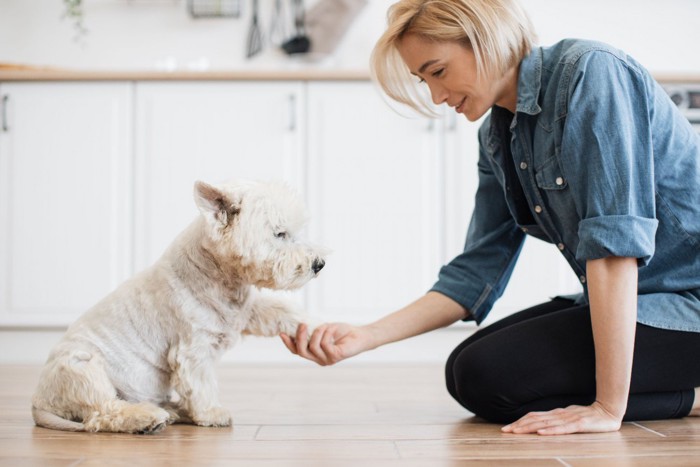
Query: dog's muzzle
x,y
317,265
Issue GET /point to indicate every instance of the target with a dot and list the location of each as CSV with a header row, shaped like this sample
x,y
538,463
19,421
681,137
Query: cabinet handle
x,y
292,112
5,98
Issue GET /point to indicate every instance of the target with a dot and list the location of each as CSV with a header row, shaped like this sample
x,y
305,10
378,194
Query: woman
x,y
584,150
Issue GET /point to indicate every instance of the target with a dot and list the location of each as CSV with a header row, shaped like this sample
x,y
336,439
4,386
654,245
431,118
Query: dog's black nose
x,y
317,265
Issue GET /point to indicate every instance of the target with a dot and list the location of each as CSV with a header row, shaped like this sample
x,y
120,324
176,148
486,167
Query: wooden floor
x,y
369,416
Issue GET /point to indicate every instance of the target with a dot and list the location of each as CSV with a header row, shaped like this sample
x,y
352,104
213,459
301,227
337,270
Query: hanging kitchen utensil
x,y
278,25
214,8
327,22
255,35
300,42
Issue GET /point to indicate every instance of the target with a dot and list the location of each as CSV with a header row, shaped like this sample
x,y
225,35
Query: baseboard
x,y
30,346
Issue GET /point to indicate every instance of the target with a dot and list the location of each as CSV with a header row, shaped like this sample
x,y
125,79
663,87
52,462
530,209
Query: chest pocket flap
x,y
550,176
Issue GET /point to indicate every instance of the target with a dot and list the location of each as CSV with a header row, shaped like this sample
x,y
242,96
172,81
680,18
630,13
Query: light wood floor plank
x,y
638,461
473,429
562,446
348,415
686,427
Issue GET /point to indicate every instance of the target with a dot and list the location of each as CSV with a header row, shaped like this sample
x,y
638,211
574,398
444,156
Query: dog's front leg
x,y
194,379
271,316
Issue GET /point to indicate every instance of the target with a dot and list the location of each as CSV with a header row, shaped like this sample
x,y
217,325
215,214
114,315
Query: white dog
x,y
144,356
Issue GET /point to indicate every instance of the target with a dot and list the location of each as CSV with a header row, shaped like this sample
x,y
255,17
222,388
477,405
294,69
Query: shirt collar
x,y
530,82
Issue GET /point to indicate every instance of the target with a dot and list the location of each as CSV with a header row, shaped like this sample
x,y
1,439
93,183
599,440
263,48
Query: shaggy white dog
x,y
144,356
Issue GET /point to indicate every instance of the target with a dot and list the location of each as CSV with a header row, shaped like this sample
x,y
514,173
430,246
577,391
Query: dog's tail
x,y
48,420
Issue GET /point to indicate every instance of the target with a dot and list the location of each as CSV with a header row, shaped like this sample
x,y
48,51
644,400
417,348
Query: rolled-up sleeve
x,y
627,236
477,277
608,158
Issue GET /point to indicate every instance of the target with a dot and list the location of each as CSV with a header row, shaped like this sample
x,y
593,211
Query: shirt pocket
x,y
549,175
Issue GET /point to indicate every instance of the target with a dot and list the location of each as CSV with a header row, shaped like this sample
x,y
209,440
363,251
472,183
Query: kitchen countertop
x,y
11,72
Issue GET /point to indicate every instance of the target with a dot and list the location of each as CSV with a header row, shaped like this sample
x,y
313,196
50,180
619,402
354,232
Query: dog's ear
x,y
216,205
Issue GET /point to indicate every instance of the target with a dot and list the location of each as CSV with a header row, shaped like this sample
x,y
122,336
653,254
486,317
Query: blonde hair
x,y
499,32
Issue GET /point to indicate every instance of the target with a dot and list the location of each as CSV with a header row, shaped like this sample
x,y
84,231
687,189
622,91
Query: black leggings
x,y
543,358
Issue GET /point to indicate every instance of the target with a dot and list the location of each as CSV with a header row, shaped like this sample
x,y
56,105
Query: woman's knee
x,y
480,386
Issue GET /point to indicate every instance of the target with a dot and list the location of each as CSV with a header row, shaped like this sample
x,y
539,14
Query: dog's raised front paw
x,y
215,416
291,325
311,324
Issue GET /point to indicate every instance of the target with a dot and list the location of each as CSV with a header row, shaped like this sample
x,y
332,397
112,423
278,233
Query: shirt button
x,y
538,209
559,181
582,279
524,229
523,165
561,246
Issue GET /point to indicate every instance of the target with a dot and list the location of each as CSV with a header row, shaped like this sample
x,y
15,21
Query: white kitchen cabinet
x,y
392,195
210,131
374,193
93,188
65,226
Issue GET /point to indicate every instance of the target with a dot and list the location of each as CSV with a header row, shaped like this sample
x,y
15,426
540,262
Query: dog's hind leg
x,y
75,393
127,417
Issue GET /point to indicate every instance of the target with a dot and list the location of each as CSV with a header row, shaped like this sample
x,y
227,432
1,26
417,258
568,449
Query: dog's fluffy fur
x,y
144,356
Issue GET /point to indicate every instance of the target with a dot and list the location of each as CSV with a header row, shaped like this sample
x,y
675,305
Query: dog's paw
x,y
176,415
310,323
215,416
149,422
291,325
153,428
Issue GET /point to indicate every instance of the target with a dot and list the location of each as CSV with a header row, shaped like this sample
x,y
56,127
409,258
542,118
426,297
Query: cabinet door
x,y
64,198
375,199
212,132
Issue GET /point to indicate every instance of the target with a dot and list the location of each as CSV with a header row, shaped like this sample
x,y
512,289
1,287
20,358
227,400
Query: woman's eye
x,y
281,235
435,74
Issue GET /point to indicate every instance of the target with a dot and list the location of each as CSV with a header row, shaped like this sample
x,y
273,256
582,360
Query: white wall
x,y
144,34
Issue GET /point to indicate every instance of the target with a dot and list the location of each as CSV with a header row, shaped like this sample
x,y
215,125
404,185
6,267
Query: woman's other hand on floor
x,y
573,419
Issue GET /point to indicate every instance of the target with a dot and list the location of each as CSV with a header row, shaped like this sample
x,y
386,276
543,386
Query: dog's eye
x,y
281,235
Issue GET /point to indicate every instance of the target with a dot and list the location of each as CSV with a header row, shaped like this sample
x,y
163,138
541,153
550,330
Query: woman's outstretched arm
x,y
333,342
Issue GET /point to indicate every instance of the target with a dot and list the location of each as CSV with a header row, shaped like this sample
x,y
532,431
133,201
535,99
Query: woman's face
x,y
449,70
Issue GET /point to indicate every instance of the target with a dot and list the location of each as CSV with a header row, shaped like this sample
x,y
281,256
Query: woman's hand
x,y
573,419
329,343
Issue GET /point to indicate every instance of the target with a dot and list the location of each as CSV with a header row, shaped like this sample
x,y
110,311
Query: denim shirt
x,y
608,166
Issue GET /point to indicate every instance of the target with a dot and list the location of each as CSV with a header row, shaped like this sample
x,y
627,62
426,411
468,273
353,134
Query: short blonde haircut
x,y
499,32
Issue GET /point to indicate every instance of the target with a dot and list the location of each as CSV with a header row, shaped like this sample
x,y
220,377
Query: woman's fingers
x,y
289,343
315,346
306,346
327,345
535,423
572,419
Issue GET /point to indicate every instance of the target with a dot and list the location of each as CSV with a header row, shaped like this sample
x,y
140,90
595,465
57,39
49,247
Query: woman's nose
x,y
439,94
